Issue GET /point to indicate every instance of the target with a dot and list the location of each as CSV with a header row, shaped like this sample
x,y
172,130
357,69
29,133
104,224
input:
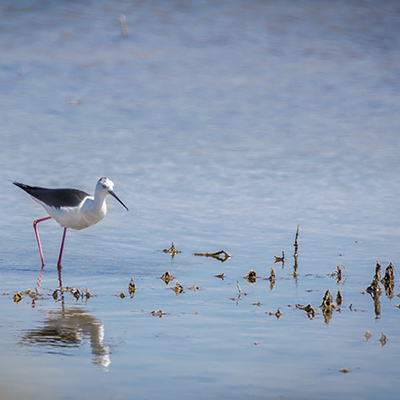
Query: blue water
x,y
223,126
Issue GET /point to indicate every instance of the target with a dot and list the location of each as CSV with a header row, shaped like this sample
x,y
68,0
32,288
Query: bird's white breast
x,y
80,217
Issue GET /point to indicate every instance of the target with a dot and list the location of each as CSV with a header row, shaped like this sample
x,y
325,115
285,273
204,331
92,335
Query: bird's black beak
x,y
114,195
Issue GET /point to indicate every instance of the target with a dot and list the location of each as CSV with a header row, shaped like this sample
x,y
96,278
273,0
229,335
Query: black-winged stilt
x,y
71,208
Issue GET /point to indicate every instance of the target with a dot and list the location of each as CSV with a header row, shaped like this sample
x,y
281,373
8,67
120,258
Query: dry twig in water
x,y
280,259
296,245
123,25
216,255
172,250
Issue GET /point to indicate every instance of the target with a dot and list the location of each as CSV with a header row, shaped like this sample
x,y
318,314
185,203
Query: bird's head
x,y
106,186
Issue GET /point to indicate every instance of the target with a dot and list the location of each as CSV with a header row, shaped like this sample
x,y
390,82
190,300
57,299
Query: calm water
x,y
223,126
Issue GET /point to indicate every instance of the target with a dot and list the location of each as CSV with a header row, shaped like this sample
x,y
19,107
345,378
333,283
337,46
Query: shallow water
x,y
223,126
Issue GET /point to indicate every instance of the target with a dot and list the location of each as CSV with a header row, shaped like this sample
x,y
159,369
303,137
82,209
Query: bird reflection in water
x,y
69,328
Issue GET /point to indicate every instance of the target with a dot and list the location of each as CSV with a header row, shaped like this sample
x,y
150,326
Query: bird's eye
x,y
104,186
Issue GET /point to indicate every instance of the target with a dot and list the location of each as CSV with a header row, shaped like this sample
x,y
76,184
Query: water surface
x,y
223,126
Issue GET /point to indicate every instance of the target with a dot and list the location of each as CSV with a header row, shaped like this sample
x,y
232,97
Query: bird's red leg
x,y
35,222
61,250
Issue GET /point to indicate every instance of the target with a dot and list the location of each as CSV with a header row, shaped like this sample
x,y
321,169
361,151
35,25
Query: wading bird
x,y
71,208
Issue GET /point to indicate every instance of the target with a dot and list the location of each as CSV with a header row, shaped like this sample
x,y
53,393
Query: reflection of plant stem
x,y
377,304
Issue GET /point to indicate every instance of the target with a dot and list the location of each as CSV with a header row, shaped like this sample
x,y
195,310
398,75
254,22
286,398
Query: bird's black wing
x,y
55,197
